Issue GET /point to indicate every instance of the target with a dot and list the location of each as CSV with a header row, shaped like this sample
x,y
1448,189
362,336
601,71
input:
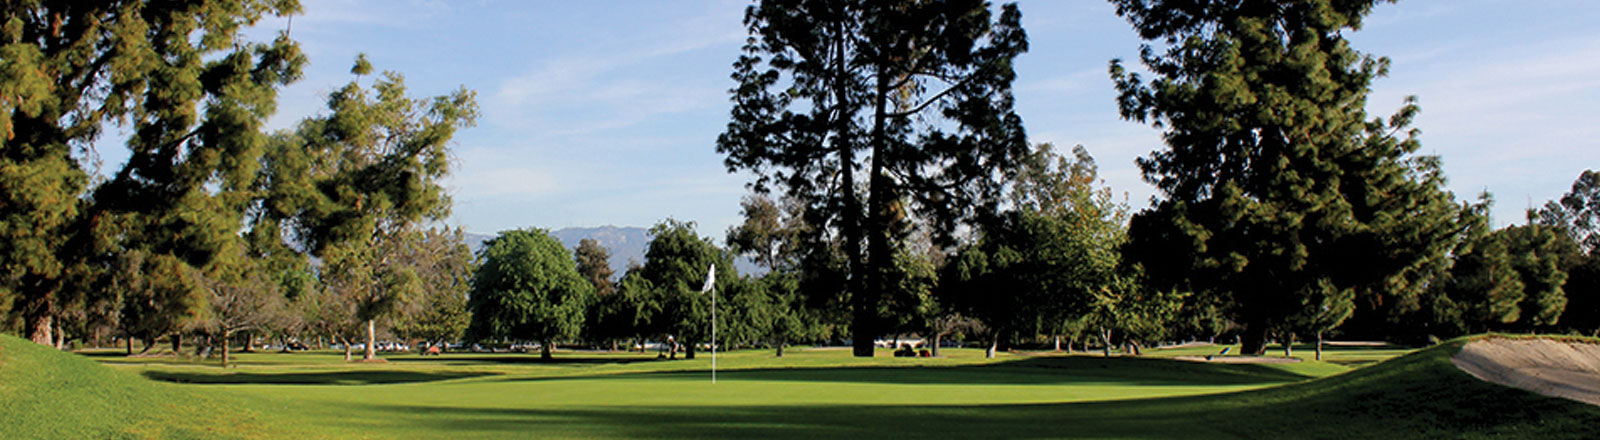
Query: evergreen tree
x,y
528,288
1273,180
1537,253
355,185
1578,212
594,263
70,67
855,107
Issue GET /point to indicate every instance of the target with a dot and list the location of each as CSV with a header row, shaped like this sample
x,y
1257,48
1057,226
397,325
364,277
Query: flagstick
x,y
713,333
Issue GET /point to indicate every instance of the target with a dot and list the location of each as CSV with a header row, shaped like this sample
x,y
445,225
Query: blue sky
x,y
606,112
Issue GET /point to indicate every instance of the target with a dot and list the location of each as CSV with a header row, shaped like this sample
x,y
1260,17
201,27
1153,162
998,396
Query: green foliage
x,y
527,287
666,292
769,234
1274,180
856,108
444,267
1508,279
352,188
1537,253
1578,212
1052,265
594,263
193,92
160,295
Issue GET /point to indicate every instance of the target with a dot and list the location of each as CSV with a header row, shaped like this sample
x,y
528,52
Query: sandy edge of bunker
x,y
1553,368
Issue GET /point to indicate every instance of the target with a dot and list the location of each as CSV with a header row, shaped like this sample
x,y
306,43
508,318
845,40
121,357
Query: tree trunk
x,y
938,339
225,338
177,343
780,347
861,328
688,350
544,350
1135,348
994,345
130,345
346,348
39,318
851,221
370,352
1288,344
1253,341
1319,345
61,335
1058,342
1105,338
148,344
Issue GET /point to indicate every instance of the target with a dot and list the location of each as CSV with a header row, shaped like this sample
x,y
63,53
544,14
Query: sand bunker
x,y
1548,367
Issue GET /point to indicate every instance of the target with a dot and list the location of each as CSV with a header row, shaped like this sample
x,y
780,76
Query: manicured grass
x,y
47,394
810,394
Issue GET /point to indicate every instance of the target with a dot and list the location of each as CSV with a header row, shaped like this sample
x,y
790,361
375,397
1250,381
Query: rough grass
x,y
806,394
47,394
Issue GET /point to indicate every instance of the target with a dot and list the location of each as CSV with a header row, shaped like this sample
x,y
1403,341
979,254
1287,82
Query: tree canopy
x,y
856,107
193,92
527,287
1273,178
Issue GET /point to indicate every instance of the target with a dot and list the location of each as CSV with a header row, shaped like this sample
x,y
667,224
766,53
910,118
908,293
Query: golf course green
x,y
1358,392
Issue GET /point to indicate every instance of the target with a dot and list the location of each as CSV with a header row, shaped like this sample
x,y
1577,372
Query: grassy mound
x,y
47,394
1420,395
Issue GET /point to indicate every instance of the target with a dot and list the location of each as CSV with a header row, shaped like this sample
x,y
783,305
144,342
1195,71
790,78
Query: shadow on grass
x,y
310,378
1030,371
1419,397
519,359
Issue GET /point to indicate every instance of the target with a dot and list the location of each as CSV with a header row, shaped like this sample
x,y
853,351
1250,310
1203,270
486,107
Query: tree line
x,y
896,193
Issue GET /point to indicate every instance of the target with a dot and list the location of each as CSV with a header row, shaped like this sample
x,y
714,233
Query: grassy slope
x,y
47,394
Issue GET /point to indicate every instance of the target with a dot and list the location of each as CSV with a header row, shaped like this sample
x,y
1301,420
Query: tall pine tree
x,y
1280,197
854,106
68,68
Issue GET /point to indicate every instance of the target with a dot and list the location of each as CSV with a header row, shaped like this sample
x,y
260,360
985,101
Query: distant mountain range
x,y
625,244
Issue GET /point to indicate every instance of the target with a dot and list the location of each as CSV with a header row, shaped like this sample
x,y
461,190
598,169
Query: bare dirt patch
x,y
1553,368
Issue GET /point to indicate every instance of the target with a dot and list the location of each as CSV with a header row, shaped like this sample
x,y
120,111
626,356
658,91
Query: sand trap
x,y
1548,367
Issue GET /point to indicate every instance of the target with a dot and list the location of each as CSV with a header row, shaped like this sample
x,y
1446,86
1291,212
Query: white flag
x,y
711,279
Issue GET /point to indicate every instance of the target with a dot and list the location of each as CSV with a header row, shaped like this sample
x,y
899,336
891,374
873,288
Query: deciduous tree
x,y
527,287
669,283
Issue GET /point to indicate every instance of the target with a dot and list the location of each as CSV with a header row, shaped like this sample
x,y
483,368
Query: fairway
x,y
825,392
806,394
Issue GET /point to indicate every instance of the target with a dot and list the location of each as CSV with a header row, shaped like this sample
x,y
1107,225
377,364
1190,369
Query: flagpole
x,y
711,287
713,333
